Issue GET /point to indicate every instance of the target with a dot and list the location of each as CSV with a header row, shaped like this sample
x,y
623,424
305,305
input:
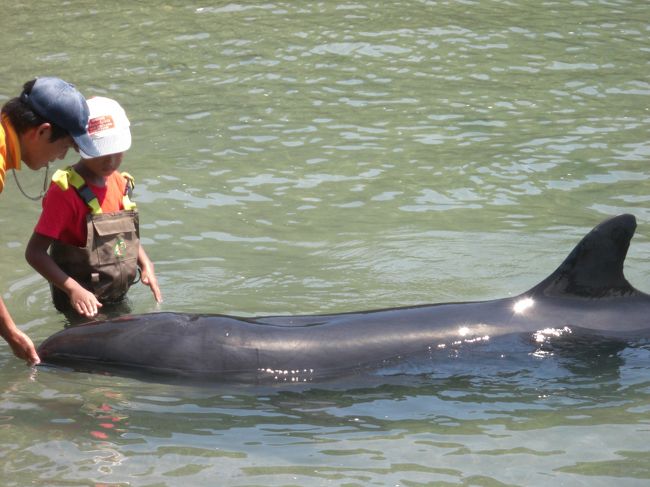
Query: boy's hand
x,y
84,302
148,277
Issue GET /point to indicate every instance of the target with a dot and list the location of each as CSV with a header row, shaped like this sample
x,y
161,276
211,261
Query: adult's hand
x,y
23,347
19,342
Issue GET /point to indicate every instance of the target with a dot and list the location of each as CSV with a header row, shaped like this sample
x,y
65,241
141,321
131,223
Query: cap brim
x,y
86,145
118,141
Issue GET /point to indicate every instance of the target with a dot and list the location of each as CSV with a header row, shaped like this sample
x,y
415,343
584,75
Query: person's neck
x,y
89,176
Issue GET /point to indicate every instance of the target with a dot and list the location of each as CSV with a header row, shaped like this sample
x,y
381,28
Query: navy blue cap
x,y
59,102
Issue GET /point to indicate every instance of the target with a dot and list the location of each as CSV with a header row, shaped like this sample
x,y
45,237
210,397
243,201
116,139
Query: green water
x,y
308,157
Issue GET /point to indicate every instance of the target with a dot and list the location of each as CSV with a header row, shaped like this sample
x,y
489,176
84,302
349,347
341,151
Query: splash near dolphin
x,y
587,295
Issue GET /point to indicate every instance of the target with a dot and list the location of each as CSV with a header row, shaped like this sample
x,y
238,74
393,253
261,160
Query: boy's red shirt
x,y
64,212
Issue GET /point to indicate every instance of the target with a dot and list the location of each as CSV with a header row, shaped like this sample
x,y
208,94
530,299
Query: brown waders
x,y
108,264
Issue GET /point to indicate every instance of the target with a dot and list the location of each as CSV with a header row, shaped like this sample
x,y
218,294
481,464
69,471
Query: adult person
x,y
38,127
90,225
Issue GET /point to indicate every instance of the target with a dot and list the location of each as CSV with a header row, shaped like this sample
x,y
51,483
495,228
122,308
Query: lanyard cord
x,y
43,191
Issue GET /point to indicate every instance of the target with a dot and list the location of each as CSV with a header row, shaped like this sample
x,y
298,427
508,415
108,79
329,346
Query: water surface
x,y
318,157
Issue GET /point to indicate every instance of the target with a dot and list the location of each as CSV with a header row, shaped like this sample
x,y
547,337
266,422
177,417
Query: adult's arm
x,y
20,343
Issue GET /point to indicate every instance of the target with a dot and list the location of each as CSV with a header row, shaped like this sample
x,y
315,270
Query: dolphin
x,y
587,295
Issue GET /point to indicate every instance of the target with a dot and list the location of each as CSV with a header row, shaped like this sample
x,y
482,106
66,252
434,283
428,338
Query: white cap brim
x,y
111,142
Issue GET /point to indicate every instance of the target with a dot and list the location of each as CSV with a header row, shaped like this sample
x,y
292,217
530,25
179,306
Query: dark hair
x,y
23,117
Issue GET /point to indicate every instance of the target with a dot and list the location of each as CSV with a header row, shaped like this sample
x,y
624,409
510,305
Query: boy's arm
x,y
83,301
147,275
19,342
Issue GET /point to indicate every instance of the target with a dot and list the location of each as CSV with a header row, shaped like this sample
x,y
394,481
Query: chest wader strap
x,y
64,178
128,191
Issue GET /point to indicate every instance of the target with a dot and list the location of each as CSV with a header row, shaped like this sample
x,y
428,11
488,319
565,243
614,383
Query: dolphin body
x,y
587,296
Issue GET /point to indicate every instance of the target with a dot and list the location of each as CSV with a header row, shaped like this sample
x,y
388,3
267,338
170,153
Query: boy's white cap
x,y
108,127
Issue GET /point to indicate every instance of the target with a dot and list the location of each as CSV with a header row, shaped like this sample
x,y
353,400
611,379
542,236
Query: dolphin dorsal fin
x,y
595,266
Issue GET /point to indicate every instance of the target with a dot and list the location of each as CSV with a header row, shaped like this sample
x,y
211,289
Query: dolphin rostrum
x,y
587,294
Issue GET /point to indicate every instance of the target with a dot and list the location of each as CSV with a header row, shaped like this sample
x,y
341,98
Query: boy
x,y
38,127
90,224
